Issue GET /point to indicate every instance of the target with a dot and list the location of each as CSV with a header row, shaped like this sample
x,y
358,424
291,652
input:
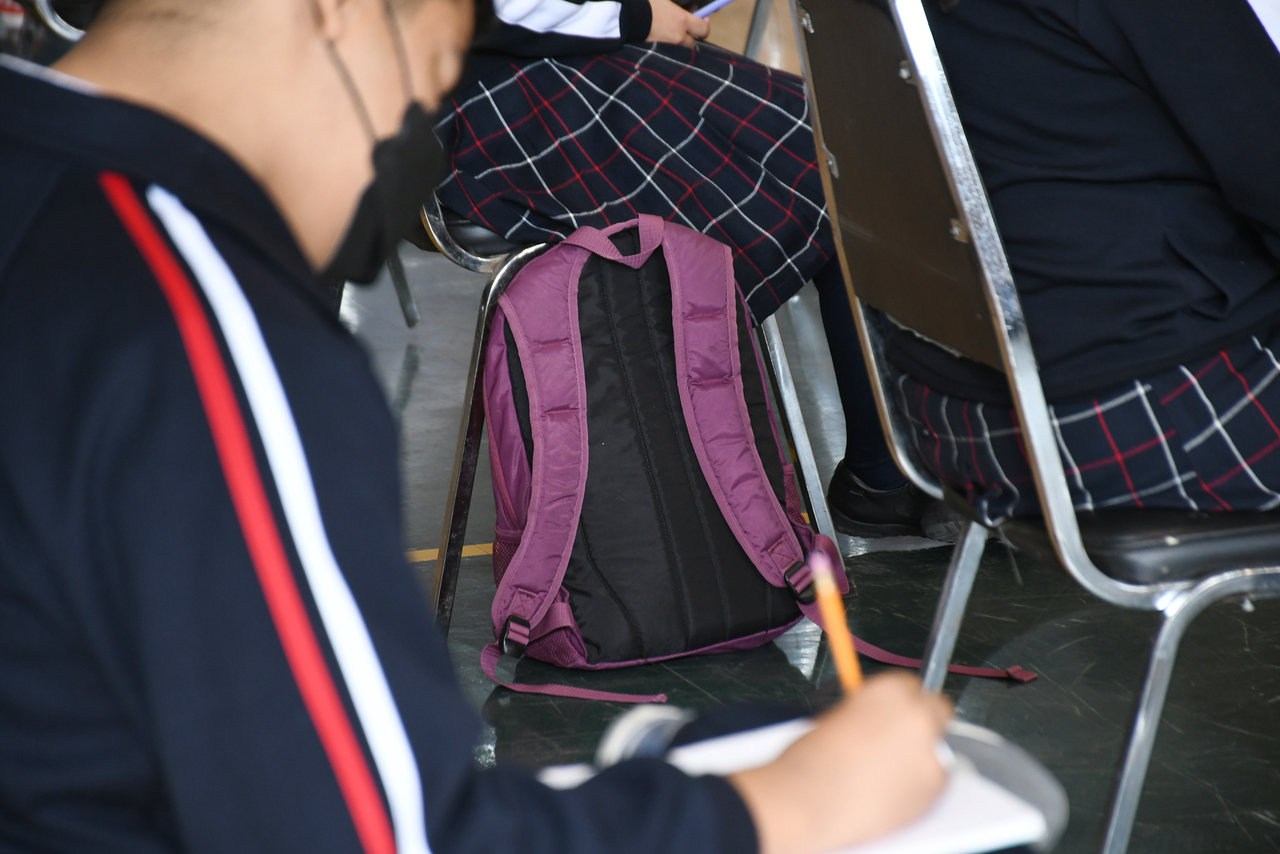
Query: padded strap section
x,y
541,310
709,374
506,446
597,241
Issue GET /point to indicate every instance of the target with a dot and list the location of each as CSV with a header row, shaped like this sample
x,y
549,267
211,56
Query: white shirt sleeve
x,y
598,19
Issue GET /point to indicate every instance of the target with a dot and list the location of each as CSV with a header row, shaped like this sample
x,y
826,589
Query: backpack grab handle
x,y
597,240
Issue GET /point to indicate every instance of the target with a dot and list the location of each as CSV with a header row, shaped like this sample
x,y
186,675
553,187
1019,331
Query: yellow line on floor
x,y
423,555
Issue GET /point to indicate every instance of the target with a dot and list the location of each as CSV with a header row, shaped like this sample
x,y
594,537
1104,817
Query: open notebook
x,y
971,815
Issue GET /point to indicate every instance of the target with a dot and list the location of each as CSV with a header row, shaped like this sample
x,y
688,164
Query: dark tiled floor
x,y
1214,785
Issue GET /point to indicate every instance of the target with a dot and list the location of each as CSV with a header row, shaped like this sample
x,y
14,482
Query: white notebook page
x,y
971,815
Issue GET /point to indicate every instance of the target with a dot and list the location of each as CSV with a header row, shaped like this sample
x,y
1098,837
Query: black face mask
x,y
406,168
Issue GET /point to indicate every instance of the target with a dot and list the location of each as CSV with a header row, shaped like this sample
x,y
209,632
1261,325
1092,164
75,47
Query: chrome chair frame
x,y
1179,602
779,366
755,33
501,269
56,23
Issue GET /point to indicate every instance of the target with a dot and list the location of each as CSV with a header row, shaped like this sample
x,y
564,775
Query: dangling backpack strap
x,y
491,658
875,653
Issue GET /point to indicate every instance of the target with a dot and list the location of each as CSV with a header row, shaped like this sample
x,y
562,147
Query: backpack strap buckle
x,y
799,579
515,636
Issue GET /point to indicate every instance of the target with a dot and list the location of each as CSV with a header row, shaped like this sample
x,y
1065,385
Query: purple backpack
x,y
645,507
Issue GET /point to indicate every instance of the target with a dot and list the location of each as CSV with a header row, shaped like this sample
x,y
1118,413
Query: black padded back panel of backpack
x,y
655,568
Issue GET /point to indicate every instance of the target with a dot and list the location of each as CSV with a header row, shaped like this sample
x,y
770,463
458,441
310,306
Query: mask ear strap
x,y
402,55
361,110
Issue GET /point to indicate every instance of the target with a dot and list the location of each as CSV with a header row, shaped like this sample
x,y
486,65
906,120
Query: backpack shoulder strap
x,y
541,310
709,375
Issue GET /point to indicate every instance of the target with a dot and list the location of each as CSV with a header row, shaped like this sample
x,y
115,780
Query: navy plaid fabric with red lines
x,y
701,137
1199,436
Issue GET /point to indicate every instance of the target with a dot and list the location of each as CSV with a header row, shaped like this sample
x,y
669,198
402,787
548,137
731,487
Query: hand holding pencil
x,y
869,767
871,764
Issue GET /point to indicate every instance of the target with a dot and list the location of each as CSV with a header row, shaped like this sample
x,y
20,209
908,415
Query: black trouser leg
x,y
866,454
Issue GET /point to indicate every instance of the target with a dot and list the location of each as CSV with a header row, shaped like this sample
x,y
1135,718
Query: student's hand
x,y
674,25
869,768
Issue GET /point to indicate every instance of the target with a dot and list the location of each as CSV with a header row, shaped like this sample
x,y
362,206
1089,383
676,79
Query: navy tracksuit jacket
x,y
209,637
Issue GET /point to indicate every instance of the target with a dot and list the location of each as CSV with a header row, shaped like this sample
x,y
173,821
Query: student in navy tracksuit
x,y
209,638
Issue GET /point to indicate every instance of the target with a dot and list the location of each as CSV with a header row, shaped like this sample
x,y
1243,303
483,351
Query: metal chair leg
x,y
755,35
1179,612
799,435
1142,738
462,484
408,307
951,605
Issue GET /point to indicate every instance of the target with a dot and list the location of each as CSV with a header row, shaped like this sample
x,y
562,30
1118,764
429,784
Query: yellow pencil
x,y
837,623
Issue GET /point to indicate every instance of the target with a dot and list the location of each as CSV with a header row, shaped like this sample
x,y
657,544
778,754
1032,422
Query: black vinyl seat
x,y
477,239
1136,545
473,238
920,246
1155,546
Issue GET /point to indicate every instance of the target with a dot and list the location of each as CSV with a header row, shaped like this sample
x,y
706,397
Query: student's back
x,y
1129,148
1129,151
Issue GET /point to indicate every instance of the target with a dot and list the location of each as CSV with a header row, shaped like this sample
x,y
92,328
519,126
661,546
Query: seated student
x,y
589,112
1130,153
209,638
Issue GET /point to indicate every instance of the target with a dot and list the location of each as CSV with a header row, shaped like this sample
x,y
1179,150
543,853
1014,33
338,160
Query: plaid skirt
x,y
700,136
1200,436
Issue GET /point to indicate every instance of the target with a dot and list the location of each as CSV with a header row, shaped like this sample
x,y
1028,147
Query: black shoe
x,y
863,511
941,523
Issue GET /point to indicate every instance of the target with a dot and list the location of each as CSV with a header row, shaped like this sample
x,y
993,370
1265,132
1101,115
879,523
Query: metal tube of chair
x,y
1142,738
1179,612
781,368
433,222
56,23
1005,309
408,306
951,605
458,503
759,23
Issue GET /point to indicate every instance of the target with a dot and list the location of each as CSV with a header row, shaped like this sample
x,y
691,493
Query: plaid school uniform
x,y
1199,436
701,137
